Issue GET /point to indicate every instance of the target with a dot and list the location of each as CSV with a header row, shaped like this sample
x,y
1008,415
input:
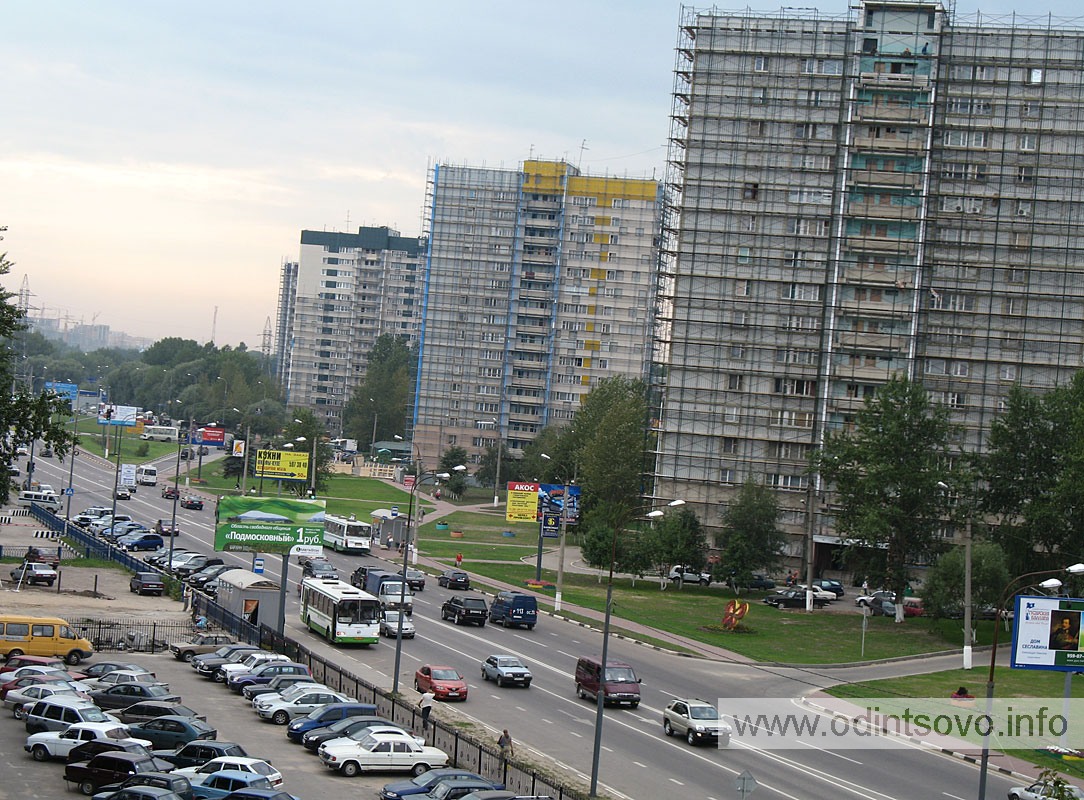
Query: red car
x,y
444,682
170,493
31,680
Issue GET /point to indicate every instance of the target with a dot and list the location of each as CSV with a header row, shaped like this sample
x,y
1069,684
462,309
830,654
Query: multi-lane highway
x,y
637,760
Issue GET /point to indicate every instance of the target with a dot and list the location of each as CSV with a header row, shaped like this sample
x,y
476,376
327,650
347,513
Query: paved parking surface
x,y
230,713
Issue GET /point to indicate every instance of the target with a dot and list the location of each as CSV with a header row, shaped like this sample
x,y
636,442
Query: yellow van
x,y
42,636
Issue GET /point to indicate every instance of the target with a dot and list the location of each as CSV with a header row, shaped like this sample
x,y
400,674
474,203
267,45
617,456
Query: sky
x,y
158,161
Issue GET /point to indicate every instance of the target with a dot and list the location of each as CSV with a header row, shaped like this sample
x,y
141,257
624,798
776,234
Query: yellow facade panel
x,y
587,363
592,291
585,380
589,326
592,344
598,274
602,220
600,238
591,310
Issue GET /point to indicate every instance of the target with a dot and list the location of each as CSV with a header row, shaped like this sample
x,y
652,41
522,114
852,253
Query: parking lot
x,y
230,713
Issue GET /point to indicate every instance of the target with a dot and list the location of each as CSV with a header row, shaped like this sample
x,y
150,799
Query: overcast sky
x,y
159,160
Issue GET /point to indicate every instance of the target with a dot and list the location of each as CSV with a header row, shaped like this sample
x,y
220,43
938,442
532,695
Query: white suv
x,y
688,575
696,720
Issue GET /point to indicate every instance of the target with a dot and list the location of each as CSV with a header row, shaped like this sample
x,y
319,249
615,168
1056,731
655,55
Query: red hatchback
x,y
444,682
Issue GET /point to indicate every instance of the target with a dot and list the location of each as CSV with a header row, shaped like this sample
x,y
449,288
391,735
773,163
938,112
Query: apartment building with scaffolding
x,y
284,323
897,192
348,289
539,282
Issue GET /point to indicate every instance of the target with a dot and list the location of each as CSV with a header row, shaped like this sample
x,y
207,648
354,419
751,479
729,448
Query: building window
x,y
744,256
1029,142
1029,110
1013,306
760,64
1025,174
742,288
792,482
1007,372
801,291
1033,76
795,386
758,128
730,446
735,382
749,224
750,191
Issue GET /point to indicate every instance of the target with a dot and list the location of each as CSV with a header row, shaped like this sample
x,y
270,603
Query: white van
x,y
44,499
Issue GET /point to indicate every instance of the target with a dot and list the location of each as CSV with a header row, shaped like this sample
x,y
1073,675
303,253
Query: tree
x,y
450,459
885,475
753,540
305,424
943,592
379,402
28,416
675,538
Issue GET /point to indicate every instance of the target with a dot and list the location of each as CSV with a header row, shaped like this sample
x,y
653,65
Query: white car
x,y
819,593
288,693
19,700
381,752
281,711
389,625
246,665
1041,791
257,766
57,744
34,669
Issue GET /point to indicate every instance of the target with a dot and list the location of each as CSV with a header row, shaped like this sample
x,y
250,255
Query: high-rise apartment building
x,y
539,282
348,289
284,323
895,193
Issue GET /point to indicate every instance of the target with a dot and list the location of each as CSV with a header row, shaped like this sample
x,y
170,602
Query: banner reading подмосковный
x,y
1046,634
268,524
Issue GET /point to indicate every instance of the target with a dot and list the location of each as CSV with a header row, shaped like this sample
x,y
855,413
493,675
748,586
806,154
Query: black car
x,y
195,565
178,784
760,581
465,608
193,503
106,768
454,579
341,728
791,598
123,695
830,585
87,750
171,492
199,752
209,573
207,665
415,579
319,568
357,577
146,583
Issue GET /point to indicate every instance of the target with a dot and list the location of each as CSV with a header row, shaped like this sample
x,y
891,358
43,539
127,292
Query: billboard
x,y
215,437
69,391
268,524
551,500
522,505
1046,634
285,465
109,414
237,450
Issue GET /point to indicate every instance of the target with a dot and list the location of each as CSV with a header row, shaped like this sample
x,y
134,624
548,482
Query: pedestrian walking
x,y
459,559
425,703
505,743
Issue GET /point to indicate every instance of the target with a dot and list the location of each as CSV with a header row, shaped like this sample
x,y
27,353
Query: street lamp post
x,y
601,696
1075,569
564,533
968,633
372,439
497,476
406,544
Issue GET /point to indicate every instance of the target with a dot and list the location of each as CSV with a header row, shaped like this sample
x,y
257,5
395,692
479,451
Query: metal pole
x,y
244,467
561,558
600,698
282,594
968,640
402,599
497,477
312,469
176,497
810,499
116,473
71,465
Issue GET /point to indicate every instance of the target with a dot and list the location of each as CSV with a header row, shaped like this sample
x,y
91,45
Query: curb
x,y
805,701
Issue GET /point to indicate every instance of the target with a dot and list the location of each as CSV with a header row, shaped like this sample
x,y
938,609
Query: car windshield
x,y
703,712
156,690
620,675
509,662
446,675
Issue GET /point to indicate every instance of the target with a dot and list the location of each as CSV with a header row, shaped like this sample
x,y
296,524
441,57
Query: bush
x,y
142,449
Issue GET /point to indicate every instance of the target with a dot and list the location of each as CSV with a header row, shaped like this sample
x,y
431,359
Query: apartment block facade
x,y
898,192
348,289
539,282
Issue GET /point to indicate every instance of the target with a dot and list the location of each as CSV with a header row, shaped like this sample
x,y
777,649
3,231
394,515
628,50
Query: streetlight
x,y
601,696
968,633
372,439
406,543
497,476
1053,583
244,465
564,532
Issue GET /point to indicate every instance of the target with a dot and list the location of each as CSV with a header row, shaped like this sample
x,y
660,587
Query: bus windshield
x,y
353,611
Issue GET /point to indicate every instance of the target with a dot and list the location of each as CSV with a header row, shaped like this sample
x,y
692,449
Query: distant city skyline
x,y
159,161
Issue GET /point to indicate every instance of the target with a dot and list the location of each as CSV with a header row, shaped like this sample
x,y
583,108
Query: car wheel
x,y
724,740
14,652
530,627
527,685
417,688
704,582
17,711
500,681
485,677
634,706
504,622
667,728
580,692
419,769
458,619
40,752
87,788
690,737
351,769
482,624
220,678
188,655
73,658
280,718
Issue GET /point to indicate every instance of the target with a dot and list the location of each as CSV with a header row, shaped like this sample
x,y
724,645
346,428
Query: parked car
x,y
144,583
21,698
831,585
142,540
118,676
380,751
444,682
126,694
506,670
172,730
818,593
226,781
106,768
194,565
100,668
353,727
686,574
87,750
255,766
392,623
760,581
152,709
415,579
282,710
792,598
173,785
192,503
208,664
454,579
866,598
198,645
170,493
465,608
263,673
200,752
248,665
46,745
208,574
34,572
696,720
421,784
277,685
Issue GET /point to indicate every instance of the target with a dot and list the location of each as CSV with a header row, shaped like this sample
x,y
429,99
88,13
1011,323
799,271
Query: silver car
x,y
389,625
505,670
1041,791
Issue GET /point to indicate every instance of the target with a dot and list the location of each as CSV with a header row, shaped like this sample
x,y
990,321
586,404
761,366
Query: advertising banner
x,y
522,503
109,414
237,450
1046,634
268,524
283,465
215,437
551,499
69,391
127,475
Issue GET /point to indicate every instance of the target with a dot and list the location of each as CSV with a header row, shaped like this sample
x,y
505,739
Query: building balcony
x,y
911,115
882,211
864,341
896,80
871,308
848,372
877,277
876,177
883,144
879,244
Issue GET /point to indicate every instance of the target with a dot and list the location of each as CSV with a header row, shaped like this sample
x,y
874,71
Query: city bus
x,y
348,535
341,613
160,433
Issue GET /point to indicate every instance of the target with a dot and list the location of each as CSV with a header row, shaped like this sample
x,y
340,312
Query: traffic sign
x,y
257,566
745,783
69,491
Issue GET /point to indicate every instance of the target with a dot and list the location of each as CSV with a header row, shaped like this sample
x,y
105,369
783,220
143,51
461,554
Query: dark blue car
x,y
423,783
333,712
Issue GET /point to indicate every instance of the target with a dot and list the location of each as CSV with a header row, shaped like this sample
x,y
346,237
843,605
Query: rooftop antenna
x,y
583,146
348,220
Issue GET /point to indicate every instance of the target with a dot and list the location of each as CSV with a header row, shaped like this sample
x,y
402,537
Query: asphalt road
x,y
636,759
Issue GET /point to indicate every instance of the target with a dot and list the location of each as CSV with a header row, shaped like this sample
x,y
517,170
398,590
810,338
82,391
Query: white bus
x,y
160,433
348,535
146,475
341,613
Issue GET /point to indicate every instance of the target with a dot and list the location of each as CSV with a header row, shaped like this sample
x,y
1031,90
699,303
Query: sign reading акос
x,y
268,524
